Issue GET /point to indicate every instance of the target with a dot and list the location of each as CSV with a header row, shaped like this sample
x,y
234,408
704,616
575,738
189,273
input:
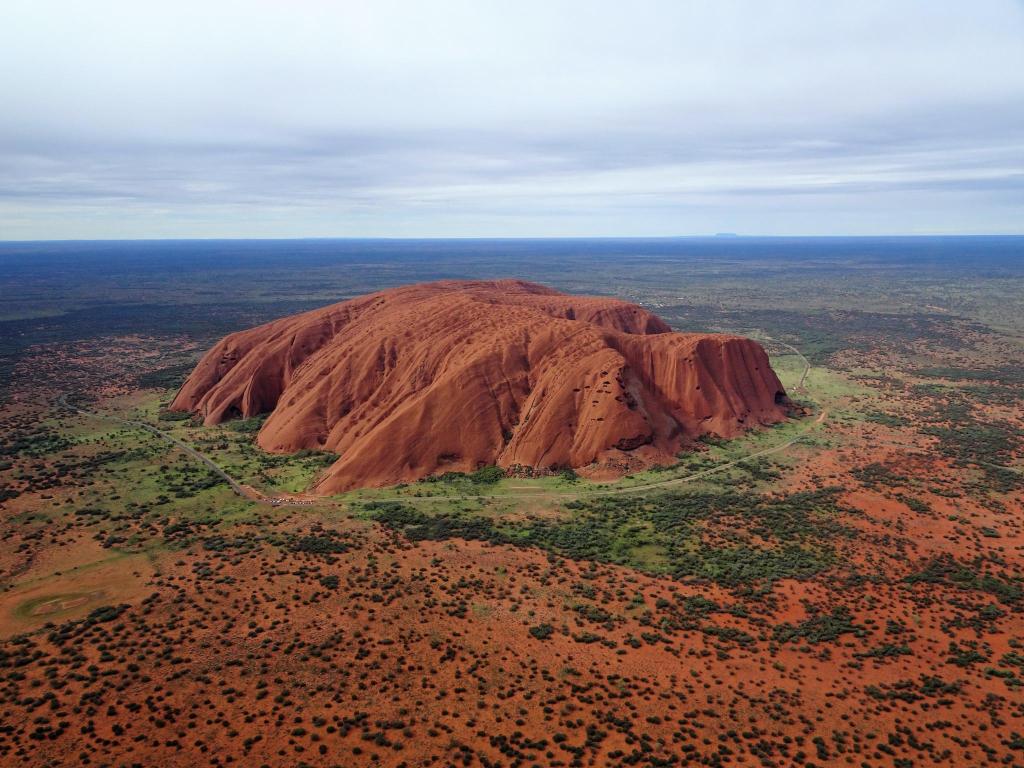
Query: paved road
x,y
242,490
798,353
721,467
807,365
542,495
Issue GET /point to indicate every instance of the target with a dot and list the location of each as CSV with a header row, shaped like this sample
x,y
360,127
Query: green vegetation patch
x,y
483,476
820,628
166,415
886,419
542,631
928,686
1006,374
970,576
729,538
33,442
418,526
249,426
970,439
170,377
72,629
876,475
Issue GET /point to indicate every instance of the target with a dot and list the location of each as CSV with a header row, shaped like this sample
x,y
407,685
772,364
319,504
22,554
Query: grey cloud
x,y
664,119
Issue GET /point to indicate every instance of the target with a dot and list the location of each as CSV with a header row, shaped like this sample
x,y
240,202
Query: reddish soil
x,y
246,655
211,642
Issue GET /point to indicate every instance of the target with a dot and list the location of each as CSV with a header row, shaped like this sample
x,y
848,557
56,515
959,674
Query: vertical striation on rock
x,y
455,375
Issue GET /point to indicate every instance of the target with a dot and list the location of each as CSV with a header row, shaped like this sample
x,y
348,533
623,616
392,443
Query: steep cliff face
x,y
455,375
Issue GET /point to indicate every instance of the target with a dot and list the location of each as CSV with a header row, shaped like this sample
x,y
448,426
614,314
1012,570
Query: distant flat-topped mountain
x,y
455,375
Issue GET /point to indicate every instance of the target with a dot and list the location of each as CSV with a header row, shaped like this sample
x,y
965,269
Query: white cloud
x,y
378,117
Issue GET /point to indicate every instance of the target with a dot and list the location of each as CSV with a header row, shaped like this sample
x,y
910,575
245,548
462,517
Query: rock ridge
x,y
455,375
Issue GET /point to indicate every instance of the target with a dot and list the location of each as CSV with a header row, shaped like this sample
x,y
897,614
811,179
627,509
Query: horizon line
x,y
470,238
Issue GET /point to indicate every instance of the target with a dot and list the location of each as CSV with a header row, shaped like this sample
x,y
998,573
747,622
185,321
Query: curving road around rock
x,y
807,365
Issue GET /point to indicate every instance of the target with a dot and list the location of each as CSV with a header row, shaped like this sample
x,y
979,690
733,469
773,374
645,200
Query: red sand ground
x,y
245,657
242,651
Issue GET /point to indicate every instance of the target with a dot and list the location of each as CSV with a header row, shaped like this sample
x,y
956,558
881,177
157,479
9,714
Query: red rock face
x,y
455,375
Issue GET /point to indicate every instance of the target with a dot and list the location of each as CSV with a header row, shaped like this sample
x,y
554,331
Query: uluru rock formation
x,y
455,375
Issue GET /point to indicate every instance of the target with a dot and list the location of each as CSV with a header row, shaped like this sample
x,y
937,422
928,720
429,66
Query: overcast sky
x,y
264,118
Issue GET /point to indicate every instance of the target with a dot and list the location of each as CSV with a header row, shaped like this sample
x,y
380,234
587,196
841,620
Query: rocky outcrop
x,y
454,375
